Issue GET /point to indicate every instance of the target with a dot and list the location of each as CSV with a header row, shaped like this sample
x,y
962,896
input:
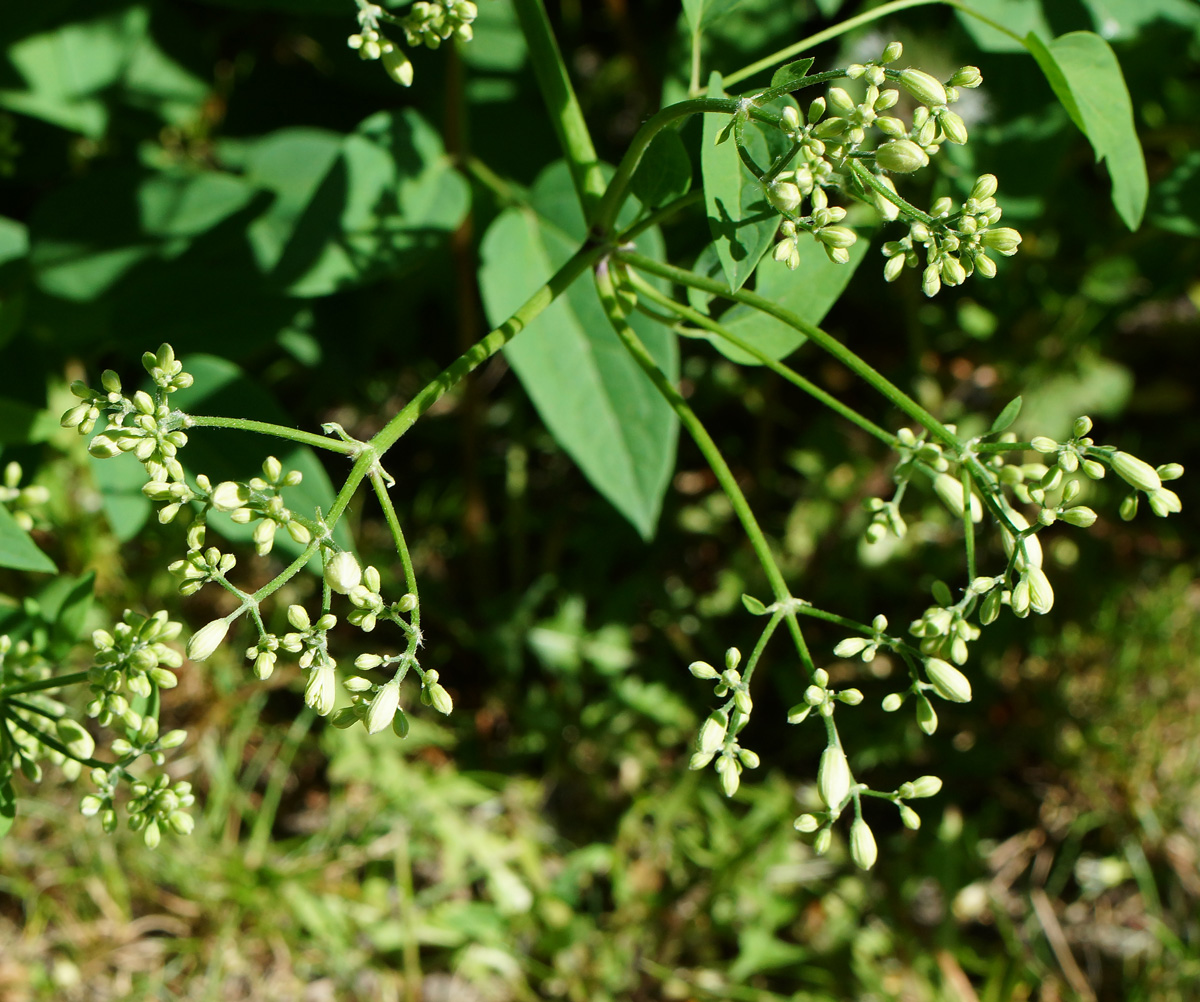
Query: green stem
x,y
990,447
389,514
761,646
58,746
905,206
265,428
964,474
687,417
805,44
700,320
826,342
42,684
659,215
561,102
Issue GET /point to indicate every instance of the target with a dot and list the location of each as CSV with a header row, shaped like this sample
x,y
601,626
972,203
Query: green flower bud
x,y
152,836
892,702
954,127
1093,470
1136,473
948,681
833,777
1044,445
985,187
901,156
342,572
1004,240
798,713
950,490
700,669
966,76
849,647
207,639
822,842
728,771
784,195
863,850
841,102
1041,595
910,818
297,615
400,725
181,823
103,447
1164,502
1080,516
837,236
926,715
741,699
383,707
926,89
407,602
733,657
892,52
851,697
931,281
789,119
749,758
319,689
805,823
396,64
712,732
227,495
1082,426
1169,471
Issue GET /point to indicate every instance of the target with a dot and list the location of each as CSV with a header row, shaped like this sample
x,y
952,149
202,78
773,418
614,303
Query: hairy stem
x,y
265,428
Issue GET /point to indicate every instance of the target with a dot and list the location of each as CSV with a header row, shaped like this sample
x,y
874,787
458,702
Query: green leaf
x,y
941,593
1084,73
701,13
754,606
1020,17
8,805
14,240
810,292
1118,20
1176,198
17,550
741,221
590,393
1006,416
665,171
790,75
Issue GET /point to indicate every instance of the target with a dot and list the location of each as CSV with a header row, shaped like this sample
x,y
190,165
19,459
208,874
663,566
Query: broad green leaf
x,y
14,240
187,205
701,13
1006,417
8,804
1095,386
665,171
498,45
1020,17
18,550
791,74
21,423
1175,204
66,602
1085,75
810,292
593,397
707,264
742,222
349,209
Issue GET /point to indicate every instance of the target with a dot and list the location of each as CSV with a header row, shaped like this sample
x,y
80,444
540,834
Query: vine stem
x,y
42,684
826,342
266,428
389,514
791,375
561,102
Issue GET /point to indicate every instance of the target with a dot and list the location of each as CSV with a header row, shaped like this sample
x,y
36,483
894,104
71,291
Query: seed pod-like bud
x,y
227,496
784,195
966,76
712,732
1041,595
902,156
833,777
1080,516
749,758
863,850
950,490
926,715
851,697
702,669
440,699
1135,472
985,187
823,840
948,681
1044,444
207,639
789,119
1164,502
733,658
954,127
837,236
841,102
1004,240
397,65
1093,470
742,700
319,690
342,572
805,823
728,771
931,281
383,707
926,89
103,447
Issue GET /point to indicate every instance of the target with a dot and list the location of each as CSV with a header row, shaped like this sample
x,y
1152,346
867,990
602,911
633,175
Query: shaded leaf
x,y
701,13
1006,417
1020,17
18,550
791,75
665,171
1176,198
592,396
8,805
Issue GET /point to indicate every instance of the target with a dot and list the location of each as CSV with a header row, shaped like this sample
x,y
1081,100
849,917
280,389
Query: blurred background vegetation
x,y
195,171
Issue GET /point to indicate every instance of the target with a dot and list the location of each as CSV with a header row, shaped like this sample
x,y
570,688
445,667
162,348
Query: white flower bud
x,y
911,819
1135,472
951,491
892,702
789,119
850,647
712,732
1164,502
342,572
207,639
833,777
805,823
863,850
1041,595
926,89
703,670
926,715
902,156
784,195
1170,471
948,681
1080,516
383,707
319,690
822,841
227,495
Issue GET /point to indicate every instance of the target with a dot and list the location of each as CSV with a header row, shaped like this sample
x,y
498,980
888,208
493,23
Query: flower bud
x,y
383,707
851,697
702,669
749,758
712,732
863,850
948,681
1164,502
440,699
1044,444
798,713
153,835
966,76
1041,595
926,89
837,236
789,119
805,823
207,639
1135,472
731,779
342,572
951,491
784,195
892,702
926,715
1004,240
841,102
1169,471
319,689
227,495
1080,516
892,52
822,842
902,156
833,777
954,127
910,818
396,64
103,447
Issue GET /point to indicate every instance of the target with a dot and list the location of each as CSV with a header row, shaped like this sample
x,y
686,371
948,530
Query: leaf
x,y
1176,198
1006,416
754,606
810,292
790,75
1084,73
941,593
702,13
592,396
8,805
665,171
741,221
18,550
1118,20
1020,17
14,240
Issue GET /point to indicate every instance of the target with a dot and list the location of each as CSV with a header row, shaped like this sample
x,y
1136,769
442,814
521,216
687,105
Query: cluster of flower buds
x,y
133,657
261,499
864,647
821,698
955,242
427,23
153,803
913,451
21,500
718,734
